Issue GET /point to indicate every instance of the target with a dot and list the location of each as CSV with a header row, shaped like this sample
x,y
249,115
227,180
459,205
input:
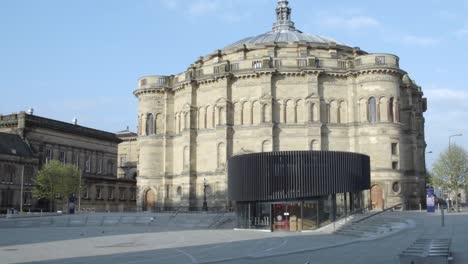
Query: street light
x,y
205,205
450,138
450,152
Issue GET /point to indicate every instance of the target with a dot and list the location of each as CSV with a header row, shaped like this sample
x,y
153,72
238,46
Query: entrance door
x,y
377,198
150,200
287,217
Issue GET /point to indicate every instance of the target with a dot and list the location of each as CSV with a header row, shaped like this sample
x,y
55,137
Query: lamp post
x,y
22,190
79,194
450,138
205,205
450,152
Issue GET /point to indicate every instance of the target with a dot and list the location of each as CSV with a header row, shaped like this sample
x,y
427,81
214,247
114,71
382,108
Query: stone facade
x,y
18,165
93,151
256,96
127,155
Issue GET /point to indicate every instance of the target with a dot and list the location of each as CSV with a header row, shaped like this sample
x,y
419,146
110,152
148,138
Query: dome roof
x,y
282,36
283,31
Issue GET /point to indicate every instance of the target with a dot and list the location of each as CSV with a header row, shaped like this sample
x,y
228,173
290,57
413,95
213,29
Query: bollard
x,y
442,215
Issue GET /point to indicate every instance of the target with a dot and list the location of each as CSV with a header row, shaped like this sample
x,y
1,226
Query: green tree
x,y
450,171
56,180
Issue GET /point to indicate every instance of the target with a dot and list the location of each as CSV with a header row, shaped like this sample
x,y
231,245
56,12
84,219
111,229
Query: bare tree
x,y
450,171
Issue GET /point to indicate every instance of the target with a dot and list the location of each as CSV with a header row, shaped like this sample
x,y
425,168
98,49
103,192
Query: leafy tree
x,y
56,180
450,171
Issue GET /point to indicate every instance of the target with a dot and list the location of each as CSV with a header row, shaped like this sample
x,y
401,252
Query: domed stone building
x,y
279,91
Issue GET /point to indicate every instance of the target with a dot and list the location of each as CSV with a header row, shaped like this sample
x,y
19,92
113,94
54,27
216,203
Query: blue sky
x,y
82,58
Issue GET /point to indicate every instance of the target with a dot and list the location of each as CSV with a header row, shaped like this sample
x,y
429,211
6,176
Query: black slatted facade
x,y
277,176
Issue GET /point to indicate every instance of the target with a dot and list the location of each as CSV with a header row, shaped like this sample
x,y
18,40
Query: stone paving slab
x,y
148,244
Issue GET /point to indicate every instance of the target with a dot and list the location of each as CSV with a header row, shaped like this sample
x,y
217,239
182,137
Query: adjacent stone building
x,y
127,155
31,141
278,91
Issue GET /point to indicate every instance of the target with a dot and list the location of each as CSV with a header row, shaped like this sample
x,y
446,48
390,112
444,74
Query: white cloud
x,y
202,7
356,22
171,4
420,41
462,33
445,94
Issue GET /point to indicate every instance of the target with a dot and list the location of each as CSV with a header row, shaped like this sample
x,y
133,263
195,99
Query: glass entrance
x,y
286,217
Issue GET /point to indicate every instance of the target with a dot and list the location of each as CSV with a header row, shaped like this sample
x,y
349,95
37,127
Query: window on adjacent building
x,y
302,63
110,167
167,191
277,63
111,193
62,156
395,165
28,175
358,62
318,63
88,164
234,66
98,192
48,156
133,194
10,173
372,110
122,192
123,159
7,198
143,82
86,193
257,64
27,198
342,65
395,149
379,60
99,165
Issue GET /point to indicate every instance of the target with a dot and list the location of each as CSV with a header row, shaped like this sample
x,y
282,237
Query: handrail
x,y
383,211
358,211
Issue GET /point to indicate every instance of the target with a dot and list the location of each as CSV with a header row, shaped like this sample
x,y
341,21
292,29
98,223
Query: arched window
x,y
221,119
266,146
314,145
390,110
311,112
372,110
149,124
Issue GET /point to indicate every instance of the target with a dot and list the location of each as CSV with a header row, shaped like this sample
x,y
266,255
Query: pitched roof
x,y
12,144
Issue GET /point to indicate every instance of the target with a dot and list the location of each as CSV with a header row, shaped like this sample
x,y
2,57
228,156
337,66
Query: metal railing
x,y
378,213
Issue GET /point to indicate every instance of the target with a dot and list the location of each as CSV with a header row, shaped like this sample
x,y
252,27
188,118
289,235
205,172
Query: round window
x,y
396,187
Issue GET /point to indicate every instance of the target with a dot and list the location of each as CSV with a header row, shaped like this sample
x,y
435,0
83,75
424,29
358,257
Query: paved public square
x,y
152,244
